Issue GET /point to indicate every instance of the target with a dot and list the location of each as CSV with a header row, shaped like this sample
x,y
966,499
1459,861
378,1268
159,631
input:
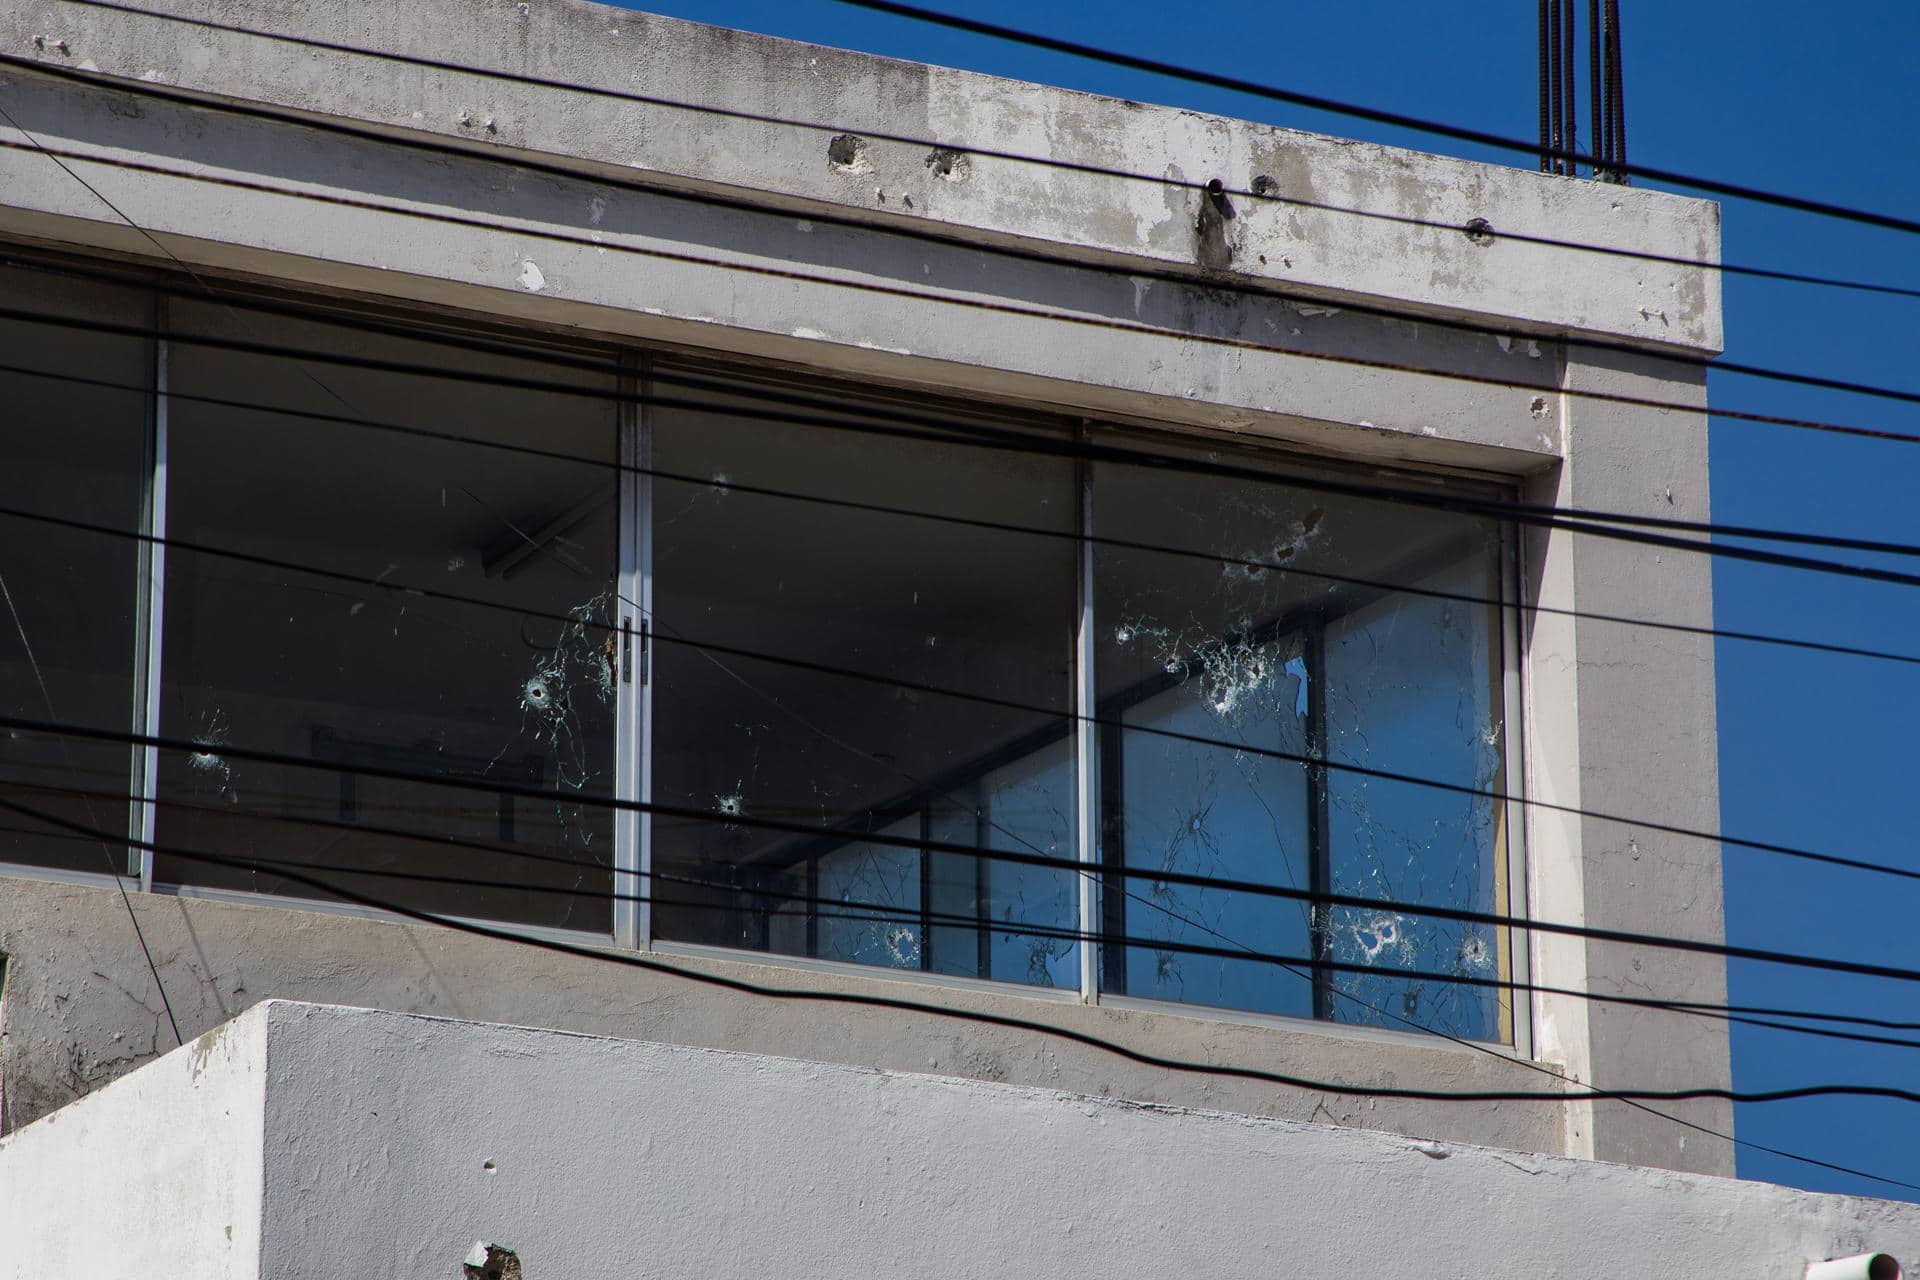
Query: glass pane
x,y
1411,690
67,596
1218,812
1201,647
764,603
881,886
511,682
1027,806
1285,631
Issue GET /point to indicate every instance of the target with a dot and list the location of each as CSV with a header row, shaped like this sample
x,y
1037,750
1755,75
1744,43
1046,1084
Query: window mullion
x,y
632,881
1319,839
1086,824
150,615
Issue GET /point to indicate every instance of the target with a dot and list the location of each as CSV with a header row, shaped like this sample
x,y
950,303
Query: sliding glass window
x,y
73,439
842,642
1267,654
689,656
361,575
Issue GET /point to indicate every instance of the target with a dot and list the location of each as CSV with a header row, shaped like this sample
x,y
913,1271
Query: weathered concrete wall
x,y
1648,748
584,255
1616,719
1339,219
389,1145
161,1175
81,1010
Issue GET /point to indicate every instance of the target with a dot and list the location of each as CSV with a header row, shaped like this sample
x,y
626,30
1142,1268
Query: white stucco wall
x,y
391,1143
159,1174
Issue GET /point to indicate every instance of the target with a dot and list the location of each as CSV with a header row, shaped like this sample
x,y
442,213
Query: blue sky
x,y
1814,751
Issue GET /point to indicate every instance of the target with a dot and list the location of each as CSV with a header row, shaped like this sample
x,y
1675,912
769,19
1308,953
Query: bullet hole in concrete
x,y
1265,187
1211,248
1480,231
489,1166
492,1262
949,165
1539,406
848,154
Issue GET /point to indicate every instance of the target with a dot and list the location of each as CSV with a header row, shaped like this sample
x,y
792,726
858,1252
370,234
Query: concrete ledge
x,y
80,1010
162,1173
799,128
295,207
390,1144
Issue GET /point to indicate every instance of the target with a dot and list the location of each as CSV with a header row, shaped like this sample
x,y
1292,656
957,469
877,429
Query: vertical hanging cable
x,y
1596,96
1616,94
1569,87
1556,134
1546,135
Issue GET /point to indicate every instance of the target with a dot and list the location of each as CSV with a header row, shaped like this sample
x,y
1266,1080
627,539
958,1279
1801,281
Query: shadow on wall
x,y
6,1113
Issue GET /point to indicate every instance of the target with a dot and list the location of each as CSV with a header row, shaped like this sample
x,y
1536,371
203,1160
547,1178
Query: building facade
x,y
813,522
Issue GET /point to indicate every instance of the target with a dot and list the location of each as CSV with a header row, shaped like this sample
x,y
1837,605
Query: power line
x,y
119,881
914,232
844,913
103,197
387,583
1500,142
1298,758
1736,553
1618,526
1000,526
1021,310
75,175
863,911
1396,1092
1459,915
913,140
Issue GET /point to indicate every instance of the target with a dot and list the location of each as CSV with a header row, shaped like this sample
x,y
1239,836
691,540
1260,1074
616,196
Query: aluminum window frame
x,y
1094,759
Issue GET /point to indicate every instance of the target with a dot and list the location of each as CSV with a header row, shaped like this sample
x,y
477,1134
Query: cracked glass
x,y
1271,628
325,644
71,450
844,646
868,673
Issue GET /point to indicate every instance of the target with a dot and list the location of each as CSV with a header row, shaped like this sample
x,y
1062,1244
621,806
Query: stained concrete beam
x,y
797,127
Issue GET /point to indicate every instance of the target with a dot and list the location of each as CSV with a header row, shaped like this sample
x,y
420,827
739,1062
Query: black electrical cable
x,y
998,526
1546,122
1072,166
106,852
1131,271
497,787
1569,86
1217,1070
1478,137
839,408
1657,1113
388,584
1452,375
1618,526
887,913
363,582
1342,994
1304,968
1596,96
1616,97
1559,105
